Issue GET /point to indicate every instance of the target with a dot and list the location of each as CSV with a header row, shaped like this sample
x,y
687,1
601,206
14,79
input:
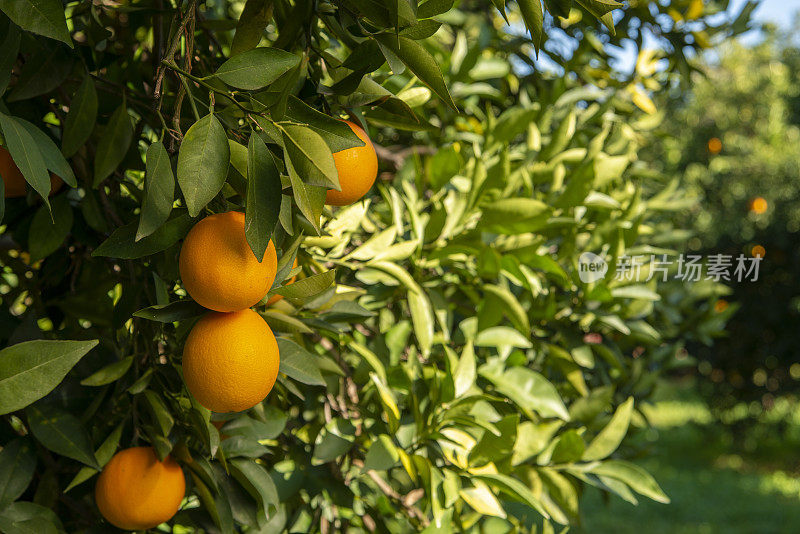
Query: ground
x,y
713,490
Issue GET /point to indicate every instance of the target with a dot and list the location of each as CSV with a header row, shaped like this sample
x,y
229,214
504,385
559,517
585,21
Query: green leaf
x,y
29,518
159,191
634,476
109,373
309,198
42,73
482,500
422,319
512,307
502,336
203,162
159,411
257,482
122,242
251,25
104,453
172,312
464,376
17,465
514,489
46,234
382,454
515,209
53,159
44,17
256,68
31,370
81,117
492,448
529,390
443,166
263,196
513,122
431,8
9,49
607,441
62,433
26,155
602,10
113,144
569,448
297,363
533,16
310,155
307,287
419,61
335,439
336,134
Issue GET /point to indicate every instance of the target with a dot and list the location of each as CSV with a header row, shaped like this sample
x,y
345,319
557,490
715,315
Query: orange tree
x,y
442,364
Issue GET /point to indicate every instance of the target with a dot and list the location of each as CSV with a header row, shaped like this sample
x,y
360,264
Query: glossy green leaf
x,y
529,390
203,163
17,465
47,234
109,373
42,73
104,453
81,117
44,17
174,311
9,49
609,439
31,370
307,287
53,159
26,155
122,242
336,134
420,62
62,433
381,455
297,363
113,144
159,191
256,68
263,203
251,25
311,156
634,476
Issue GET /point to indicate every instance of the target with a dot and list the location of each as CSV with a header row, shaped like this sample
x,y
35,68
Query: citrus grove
x,y
283,265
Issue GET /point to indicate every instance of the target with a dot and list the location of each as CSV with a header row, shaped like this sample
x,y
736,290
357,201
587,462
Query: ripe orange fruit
x,y
135,491
759,205
219,270
13,181
275,298
714,145
230,360
357,168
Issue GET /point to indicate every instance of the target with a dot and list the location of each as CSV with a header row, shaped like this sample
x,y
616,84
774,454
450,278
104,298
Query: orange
x,y
218,269
357,168
135,491
714,145
275,298
759,205
230,360
14,182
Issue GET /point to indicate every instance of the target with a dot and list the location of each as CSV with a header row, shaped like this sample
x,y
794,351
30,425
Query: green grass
x,y
713,489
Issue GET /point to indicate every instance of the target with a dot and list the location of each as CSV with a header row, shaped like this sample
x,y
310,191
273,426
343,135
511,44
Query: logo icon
x,y
591,267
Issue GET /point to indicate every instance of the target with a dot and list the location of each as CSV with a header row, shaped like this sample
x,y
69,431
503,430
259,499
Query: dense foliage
x,y
443,366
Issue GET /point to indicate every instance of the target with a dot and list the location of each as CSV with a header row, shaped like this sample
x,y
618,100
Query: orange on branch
x,y
230,360
218,268
136,491
357,168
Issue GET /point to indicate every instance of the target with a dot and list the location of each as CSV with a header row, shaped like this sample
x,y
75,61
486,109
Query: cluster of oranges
x,y
230,358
